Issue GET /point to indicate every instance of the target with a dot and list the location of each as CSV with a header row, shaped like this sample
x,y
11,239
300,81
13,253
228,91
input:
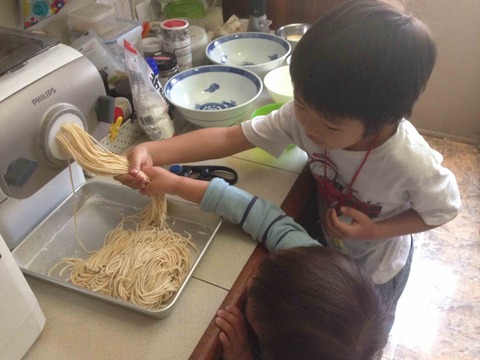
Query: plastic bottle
x,y
258,21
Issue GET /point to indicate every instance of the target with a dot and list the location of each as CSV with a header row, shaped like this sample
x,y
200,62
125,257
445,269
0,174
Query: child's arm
x,y
264,221
211,143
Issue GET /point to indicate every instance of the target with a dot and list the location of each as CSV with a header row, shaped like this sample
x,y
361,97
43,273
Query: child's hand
x,y
161,181
234,335
138,156
361,228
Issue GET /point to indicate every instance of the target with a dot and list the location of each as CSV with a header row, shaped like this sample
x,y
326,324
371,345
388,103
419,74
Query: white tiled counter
x,y
81,327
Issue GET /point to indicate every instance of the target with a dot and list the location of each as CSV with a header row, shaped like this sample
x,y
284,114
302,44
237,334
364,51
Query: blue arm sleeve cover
x,y
264,221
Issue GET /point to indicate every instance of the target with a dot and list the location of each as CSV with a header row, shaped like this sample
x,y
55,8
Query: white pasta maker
x,y
42,85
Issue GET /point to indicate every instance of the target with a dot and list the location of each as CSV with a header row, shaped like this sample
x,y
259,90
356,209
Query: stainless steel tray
x,y
100,206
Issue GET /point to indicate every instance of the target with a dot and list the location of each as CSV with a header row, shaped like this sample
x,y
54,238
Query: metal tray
x,y
100,206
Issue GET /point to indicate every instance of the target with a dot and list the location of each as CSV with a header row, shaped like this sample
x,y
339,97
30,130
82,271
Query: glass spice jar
x,y
167,66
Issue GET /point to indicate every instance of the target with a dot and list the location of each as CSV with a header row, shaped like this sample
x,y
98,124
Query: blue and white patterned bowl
x,y
214,95
257,52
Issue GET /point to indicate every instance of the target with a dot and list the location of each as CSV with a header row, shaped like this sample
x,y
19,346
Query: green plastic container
x,y
266,109
191,10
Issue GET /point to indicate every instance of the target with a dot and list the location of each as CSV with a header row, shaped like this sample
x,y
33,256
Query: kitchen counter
x,y
80,327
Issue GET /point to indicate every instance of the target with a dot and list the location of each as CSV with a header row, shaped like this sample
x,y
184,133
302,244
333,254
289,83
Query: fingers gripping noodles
x,y
145,266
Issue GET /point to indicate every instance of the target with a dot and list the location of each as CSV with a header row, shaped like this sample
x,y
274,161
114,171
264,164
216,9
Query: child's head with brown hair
x,y
315,303
368,60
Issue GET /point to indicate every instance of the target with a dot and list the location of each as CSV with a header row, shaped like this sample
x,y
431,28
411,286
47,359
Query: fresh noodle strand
x,y
145,266
75,210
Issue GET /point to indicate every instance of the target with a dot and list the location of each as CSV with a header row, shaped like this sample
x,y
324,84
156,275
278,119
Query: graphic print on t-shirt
x,y
334,189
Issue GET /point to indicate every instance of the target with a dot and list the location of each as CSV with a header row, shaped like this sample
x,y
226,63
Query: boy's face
x,y
342,134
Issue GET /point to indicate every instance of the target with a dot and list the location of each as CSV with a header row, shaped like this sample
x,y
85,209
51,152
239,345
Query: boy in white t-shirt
x,y
357,74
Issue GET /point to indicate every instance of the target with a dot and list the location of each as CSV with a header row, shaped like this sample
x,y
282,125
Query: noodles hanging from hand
x,y
145,266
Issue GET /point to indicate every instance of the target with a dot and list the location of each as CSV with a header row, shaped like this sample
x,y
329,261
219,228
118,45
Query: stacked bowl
x,y
254,51
214,95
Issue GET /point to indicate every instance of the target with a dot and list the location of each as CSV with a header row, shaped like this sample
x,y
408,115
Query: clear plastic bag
x,y
90,45
150,105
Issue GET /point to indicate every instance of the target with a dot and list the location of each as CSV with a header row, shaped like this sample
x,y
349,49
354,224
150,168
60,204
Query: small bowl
x,y
214,95
254,51
293,32
279,84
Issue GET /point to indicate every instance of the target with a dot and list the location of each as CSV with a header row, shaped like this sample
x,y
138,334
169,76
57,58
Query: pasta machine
x,y
43,84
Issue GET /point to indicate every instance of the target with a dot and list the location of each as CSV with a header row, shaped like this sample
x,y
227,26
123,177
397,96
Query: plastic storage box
x,y
97,17
123,30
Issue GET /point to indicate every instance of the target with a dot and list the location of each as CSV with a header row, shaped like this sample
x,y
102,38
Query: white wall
x,y
450,105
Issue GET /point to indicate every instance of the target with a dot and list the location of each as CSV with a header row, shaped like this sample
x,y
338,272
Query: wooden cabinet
x,y
282,12
300,205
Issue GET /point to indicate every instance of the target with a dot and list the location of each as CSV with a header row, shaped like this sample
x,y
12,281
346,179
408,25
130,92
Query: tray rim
x,y
158,313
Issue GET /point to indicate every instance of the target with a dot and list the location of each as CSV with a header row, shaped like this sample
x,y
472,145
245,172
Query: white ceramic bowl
x,y
214,95
279,84
258,52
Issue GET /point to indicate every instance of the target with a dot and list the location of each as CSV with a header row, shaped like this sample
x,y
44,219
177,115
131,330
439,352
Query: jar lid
x,y
174,24
165,60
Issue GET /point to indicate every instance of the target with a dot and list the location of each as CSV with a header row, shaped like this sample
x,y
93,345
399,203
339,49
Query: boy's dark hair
x,y
316,303
368,60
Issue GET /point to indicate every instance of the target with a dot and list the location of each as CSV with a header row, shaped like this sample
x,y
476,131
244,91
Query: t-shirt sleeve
x,y
265,222
433,189
437,198
273,132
